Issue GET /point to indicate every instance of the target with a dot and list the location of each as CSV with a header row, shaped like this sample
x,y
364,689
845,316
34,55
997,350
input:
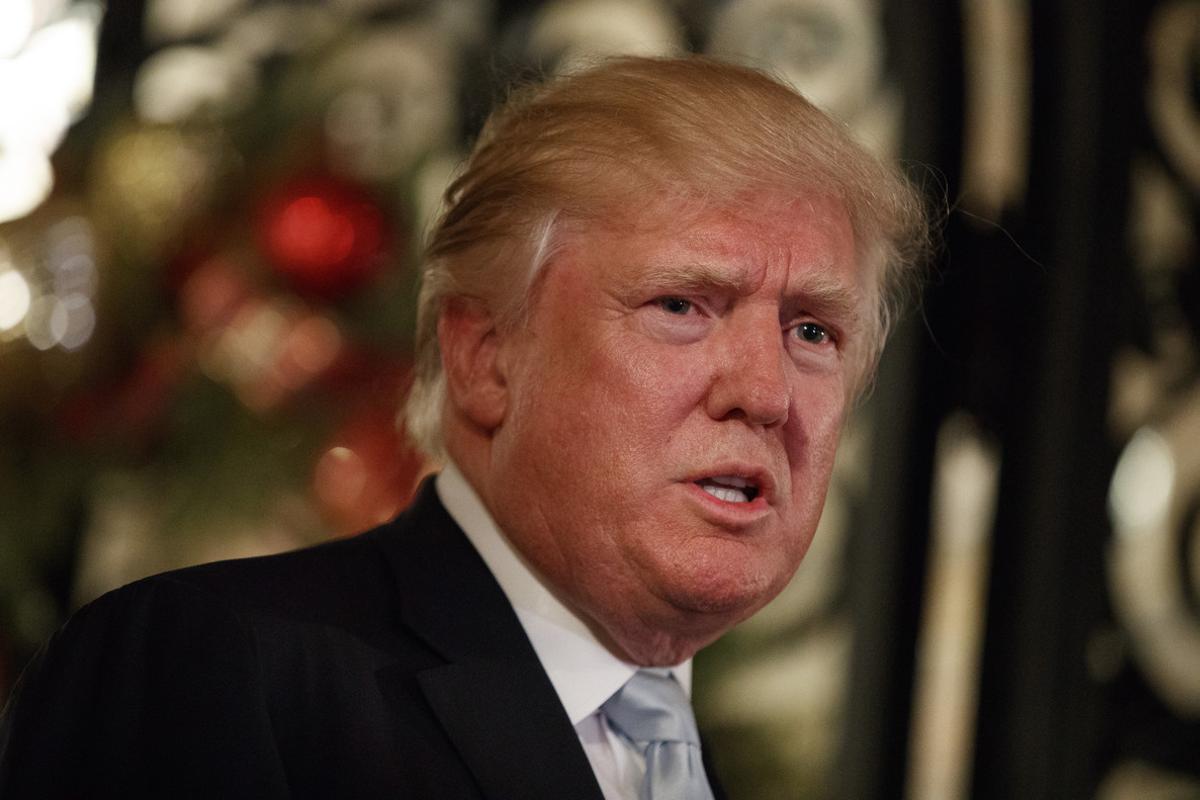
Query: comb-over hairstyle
x,y
626,137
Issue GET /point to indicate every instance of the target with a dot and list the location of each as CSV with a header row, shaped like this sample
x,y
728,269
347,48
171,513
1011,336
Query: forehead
x,y
761,241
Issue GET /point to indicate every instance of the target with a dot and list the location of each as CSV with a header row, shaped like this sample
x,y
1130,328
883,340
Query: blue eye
x,y
675,305
812,333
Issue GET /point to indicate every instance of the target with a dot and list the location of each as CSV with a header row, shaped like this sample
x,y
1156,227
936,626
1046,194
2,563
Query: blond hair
x,y
597,143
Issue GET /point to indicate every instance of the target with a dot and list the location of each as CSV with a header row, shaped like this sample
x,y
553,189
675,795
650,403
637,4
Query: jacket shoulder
x,y
335,582
131,694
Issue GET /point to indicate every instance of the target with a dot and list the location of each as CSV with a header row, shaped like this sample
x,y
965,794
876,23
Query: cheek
x,y
673,372
813,431
819,401
640,385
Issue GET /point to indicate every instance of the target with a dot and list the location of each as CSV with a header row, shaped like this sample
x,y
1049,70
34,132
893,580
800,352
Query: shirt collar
x,y
584,673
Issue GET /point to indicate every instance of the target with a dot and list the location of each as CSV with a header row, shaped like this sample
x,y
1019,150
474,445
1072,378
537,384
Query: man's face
x,y
673,407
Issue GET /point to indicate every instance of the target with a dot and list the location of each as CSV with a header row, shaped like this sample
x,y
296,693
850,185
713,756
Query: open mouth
x,y
729,488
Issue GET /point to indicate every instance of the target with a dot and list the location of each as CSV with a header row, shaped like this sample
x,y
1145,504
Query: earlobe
x,y
470,347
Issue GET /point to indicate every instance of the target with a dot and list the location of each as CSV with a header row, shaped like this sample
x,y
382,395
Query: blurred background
x,y
211,213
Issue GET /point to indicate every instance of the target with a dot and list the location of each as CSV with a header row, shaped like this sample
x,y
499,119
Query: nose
x,y
751,381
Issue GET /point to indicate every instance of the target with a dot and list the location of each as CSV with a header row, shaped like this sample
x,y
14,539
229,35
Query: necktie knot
x,y
652,708
653,712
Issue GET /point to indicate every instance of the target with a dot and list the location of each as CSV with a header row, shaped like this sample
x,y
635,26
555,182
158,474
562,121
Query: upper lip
x,y
756,475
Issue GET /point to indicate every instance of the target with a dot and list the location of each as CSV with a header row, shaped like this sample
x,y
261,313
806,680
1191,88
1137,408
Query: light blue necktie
x,y
653,712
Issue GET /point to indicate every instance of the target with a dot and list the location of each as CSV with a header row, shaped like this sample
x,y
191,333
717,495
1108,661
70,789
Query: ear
x,y
470,346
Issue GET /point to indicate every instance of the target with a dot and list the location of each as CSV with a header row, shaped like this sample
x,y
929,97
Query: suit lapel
x,y
533,753
491,695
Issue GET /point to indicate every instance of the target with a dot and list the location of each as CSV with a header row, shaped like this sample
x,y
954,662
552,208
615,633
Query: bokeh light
x,y
182,82
14,299
16,23
171,20
46,76
1142,485
48,283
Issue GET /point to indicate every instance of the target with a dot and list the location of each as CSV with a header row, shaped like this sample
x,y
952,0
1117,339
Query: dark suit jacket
x,y
389,665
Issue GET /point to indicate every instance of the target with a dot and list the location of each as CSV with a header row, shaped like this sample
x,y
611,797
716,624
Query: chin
x,y
691,616
720,608
666,629
727,585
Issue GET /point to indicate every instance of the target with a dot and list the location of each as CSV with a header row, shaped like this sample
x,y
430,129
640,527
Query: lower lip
x,y
727,514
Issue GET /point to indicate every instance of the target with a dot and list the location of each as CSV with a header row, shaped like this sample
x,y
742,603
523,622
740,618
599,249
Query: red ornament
x,y
323,235
367,472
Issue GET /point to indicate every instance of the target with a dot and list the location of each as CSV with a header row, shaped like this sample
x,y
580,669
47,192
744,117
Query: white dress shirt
x,y
584,673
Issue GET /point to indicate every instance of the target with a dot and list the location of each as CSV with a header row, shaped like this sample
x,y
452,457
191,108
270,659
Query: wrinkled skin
x,y
657,356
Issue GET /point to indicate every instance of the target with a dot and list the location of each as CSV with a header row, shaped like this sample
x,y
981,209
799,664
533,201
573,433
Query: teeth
x,y
728,494
730,488
731,480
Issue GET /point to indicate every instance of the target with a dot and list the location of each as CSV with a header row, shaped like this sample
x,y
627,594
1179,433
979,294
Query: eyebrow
x,y
827,297
693,277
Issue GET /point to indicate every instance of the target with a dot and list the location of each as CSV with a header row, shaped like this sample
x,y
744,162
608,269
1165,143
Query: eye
x,y
674,305
813,333
674,319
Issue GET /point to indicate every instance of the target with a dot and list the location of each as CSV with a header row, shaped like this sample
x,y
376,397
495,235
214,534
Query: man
x,y
656,290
